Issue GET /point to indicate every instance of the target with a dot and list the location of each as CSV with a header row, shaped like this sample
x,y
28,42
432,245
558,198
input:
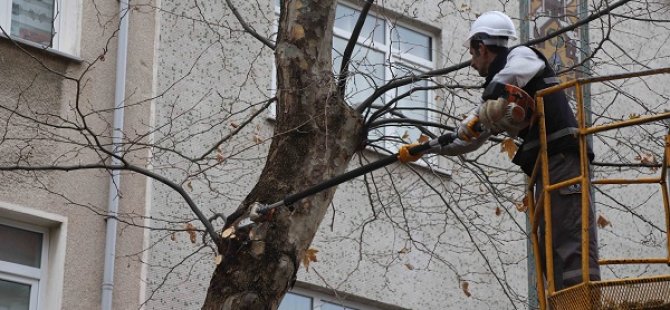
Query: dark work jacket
x,y
557,111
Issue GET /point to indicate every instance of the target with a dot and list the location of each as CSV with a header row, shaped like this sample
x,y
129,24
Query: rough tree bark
x,y
316,135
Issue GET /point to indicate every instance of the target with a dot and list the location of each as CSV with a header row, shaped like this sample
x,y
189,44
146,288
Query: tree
x,y
320,129
316,135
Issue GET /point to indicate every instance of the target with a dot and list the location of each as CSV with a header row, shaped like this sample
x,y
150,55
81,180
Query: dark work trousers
x,y
566,223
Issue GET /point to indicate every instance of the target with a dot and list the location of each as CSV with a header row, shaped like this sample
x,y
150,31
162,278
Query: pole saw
x,y
258,210
520,107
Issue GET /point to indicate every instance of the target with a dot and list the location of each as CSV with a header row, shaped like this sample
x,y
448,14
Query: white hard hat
x,y
494,24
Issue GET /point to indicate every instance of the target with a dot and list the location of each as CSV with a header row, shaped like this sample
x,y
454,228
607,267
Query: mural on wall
x,y
563,52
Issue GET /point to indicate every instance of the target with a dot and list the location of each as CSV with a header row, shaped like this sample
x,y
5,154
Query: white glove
x,y
492,113
500,115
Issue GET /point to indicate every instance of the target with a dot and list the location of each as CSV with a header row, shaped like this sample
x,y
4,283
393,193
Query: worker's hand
x,y
491,114
403,153
500,115
467,129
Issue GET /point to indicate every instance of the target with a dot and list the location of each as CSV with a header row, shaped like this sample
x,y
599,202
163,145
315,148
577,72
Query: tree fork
x,y
316,134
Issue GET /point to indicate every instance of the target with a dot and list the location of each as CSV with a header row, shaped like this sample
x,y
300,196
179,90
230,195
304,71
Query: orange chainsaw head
x,y
512,94
506,108
520,97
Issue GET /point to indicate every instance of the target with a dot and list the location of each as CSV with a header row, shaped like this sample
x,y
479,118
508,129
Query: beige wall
x,y
206,78
80,197
204,67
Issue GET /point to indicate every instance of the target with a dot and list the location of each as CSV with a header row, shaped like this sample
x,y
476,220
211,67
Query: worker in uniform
x,y
528,69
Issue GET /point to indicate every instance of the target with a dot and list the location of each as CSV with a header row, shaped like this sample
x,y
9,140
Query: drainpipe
x,y
117,135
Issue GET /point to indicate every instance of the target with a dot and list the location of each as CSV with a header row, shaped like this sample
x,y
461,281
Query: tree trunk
x,y
315,136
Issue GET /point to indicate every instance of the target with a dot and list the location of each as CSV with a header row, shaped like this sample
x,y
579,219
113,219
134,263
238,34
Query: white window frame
x,y
272,109
33,303
394,55
319,299
303,295
50,291
33,276
67,27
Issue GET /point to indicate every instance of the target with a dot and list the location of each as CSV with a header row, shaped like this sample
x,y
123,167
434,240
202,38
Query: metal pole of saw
x,y
288,200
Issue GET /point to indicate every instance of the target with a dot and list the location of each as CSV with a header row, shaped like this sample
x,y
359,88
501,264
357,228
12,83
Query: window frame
x,y
33,276
319,298
427,63
395,57
391,54
304,295
34,288
66,26
52,296
272,108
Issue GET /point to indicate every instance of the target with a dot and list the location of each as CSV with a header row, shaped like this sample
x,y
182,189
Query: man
x,y
528,69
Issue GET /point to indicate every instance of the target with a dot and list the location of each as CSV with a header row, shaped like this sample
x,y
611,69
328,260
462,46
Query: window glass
x,y
293,301
409,41
373,28
14,296
417,99
371,64
20,246
32,20
374,62
367,67
329,306
412,106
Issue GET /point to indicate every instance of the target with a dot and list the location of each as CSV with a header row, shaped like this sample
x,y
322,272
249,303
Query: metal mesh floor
x,y
624,294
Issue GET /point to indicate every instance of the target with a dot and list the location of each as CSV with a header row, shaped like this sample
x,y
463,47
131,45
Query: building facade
x,y
185,77
53,101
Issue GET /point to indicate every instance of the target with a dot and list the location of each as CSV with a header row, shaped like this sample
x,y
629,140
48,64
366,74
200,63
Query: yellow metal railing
x,y
590,294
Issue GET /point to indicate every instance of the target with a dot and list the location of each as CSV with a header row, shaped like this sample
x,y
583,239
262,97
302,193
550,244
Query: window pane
x,y
295,302
329,306
366,70
20,246
33,20
373,28
413,106
411,42
14,296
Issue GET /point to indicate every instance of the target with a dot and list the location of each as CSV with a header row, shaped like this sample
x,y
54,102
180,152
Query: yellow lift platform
x,y
651,292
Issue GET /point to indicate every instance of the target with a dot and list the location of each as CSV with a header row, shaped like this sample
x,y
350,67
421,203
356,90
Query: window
x,y
50,24
294,301
329,306
23,262
385,50
304,299
32,257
